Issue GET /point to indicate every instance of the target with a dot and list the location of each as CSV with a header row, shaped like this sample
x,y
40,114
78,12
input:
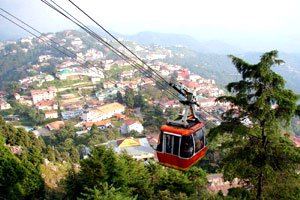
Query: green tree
x,y
134,133
51,154
139,100
13,87
172,113
74,155
255,147
107,175
153,116
106,193
12,173
19,178
119,97
298,111
129,97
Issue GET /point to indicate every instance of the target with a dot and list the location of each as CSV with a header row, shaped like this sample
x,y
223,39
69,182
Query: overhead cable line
x,y
118,41
105,30
131,61
46,41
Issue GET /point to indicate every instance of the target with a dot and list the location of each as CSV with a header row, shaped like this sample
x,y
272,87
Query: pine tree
x,y
20,177
119,97
255,146
129,97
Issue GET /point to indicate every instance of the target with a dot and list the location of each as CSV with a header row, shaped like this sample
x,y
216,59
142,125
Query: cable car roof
x,y
181,130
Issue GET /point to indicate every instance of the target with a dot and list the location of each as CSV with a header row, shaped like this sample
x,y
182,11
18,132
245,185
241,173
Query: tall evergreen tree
x,y
298,111
129,97
139,100
119,97
20,177
256,148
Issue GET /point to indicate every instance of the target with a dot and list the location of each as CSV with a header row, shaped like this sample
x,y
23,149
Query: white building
x,y
43,94
77,42
131,125
4,105
71,114
92,116
52,114
103,112
44,58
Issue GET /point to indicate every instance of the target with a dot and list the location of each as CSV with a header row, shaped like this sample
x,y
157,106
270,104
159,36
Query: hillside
x,y
205,58
210,58
81,105
169,40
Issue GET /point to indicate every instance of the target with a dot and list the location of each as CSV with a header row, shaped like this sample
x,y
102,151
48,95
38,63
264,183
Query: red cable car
x,y
182,141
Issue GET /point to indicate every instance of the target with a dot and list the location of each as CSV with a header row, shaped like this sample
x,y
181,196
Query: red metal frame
x,y
178,162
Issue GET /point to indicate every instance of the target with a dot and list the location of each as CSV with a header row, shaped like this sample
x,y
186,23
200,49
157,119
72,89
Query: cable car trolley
x,y
182,141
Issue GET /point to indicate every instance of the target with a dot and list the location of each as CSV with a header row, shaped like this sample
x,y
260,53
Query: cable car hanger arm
x,y
189,102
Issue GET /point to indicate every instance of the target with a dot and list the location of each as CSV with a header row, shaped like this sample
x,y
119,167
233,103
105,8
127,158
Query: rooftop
x,y
99,123
138,148
130,121
110,107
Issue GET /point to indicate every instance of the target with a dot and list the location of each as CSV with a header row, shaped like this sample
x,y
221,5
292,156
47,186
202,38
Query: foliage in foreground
x,y
20,176
256,148
105,174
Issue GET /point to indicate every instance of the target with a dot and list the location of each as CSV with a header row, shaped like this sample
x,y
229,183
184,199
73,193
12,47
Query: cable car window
x,y
176,145
187,147
168,143
159,146
171,144
199,137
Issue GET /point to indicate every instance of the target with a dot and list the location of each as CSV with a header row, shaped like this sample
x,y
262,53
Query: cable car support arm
x,y
188,99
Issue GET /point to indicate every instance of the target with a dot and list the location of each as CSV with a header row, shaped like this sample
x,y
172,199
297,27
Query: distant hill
x,y
220,68
209,59
168,40
14,33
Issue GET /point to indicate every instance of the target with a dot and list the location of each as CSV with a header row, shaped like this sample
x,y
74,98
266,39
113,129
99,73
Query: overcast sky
x,y
257,25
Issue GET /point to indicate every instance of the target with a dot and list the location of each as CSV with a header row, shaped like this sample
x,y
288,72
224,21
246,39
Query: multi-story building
x,y
43,94
71,114
47,105
102,112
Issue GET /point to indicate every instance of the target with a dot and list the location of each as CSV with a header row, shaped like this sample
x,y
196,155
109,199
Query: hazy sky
x,y
258,25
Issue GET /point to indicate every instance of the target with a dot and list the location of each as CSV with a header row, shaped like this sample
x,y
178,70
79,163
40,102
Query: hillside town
x,y
84,88
149,100
85,91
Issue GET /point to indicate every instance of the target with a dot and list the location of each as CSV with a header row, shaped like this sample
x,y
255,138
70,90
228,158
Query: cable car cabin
x,y
182,141
181,147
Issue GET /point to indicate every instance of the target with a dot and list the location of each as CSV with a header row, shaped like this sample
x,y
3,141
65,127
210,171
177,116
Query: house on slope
x,y
47,105
43,94
102,112
131,125
138,148
100,124
4,105
51,114
55,125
